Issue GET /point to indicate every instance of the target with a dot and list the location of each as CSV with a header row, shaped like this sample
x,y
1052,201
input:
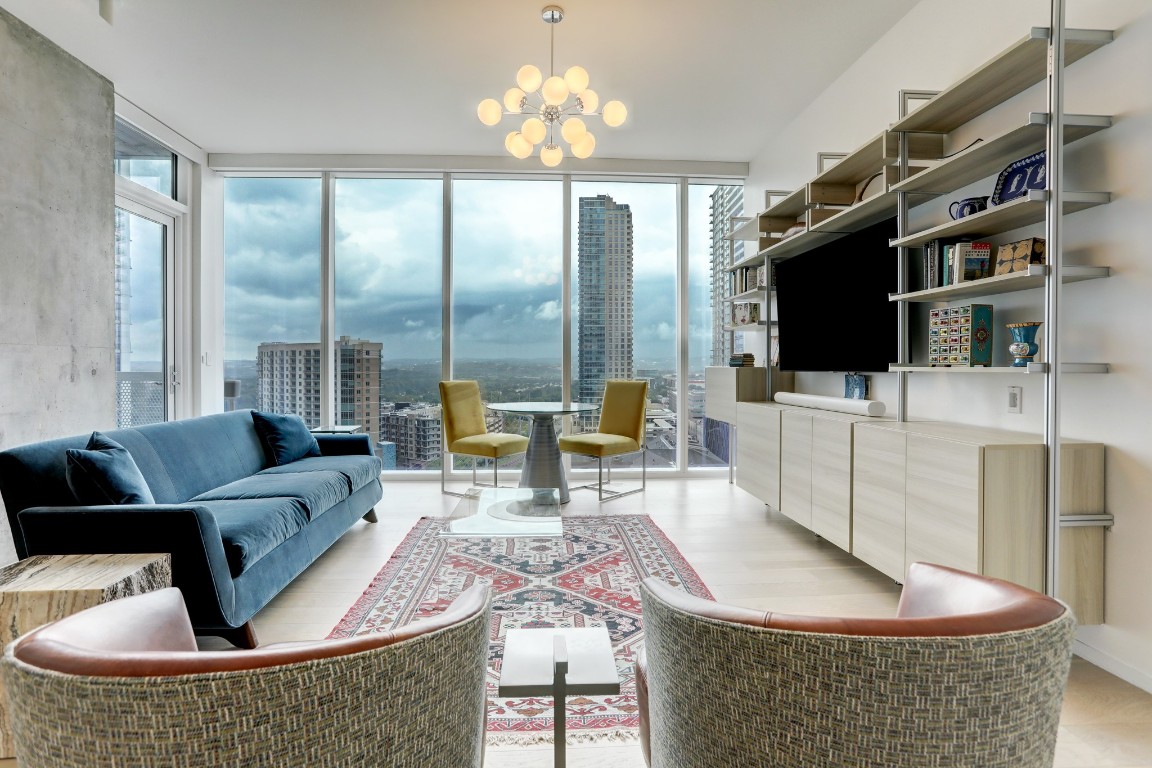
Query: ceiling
x,y
702,79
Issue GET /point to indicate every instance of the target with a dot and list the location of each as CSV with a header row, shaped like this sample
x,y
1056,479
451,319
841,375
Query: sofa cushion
x,y
319,491
359,470
285,436
105,473
251,528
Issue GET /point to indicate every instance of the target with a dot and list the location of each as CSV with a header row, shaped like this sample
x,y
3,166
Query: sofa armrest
x,y
344,445
188,532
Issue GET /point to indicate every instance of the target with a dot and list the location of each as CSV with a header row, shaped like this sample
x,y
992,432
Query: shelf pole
x,y
1053,289
902,287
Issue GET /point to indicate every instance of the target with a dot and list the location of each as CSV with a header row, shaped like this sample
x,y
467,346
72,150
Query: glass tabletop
x,y
506,512
543,408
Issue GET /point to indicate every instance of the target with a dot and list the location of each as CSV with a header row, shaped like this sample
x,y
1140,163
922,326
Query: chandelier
x,y
550,106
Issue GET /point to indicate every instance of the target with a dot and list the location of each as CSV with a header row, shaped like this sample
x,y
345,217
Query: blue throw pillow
x,y
285,437
105,473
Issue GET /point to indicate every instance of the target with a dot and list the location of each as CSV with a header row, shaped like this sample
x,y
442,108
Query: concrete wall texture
x,y
57,196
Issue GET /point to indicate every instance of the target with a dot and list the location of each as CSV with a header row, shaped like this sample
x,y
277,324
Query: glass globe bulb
x,y
590,100
489,112
551,155
577,79
583,148
529,78
512,99
573,130
508,140
615,114
520,146
534,130
554,90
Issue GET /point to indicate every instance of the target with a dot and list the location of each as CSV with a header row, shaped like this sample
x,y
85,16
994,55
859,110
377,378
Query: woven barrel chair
x,y
122,685
970,674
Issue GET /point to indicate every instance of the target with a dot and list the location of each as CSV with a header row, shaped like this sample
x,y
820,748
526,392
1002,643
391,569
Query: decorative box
x,y
960,336
745,312
1016,256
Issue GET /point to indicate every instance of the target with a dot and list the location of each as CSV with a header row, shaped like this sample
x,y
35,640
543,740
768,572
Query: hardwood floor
x,y
747,556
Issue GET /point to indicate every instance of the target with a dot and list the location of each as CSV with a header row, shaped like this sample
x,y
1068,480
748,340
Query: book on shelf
x,y
745,312
973,261
742,360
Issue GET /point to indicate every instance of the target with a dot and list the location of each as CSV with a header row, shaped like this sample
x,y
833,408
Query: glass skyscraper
x,y
604,273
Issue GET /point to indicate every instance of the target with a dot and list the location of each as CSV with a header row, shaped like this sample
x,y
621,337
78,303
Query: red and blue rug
x,y
589,577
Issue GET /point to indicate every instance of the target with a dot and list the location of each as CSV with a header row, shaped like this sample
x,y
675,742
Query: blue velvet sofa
x,y
239,526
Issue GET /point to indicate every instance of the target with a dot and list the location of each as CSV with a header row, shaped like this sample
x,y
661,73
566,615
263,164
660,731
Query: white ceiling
x,y
702,79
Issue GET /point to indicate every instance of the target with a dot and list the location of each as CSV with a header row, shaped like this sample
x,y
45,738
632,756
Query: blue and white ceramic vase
x,y
1023,346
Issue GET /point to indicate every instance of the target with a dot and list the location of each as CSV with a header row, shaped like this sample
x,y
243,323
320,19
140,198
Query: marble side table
x,y
44,588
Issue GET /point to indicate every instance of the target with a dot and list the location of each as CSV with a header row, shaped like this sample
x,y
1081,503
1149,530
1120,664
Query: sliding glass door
x,y
145,374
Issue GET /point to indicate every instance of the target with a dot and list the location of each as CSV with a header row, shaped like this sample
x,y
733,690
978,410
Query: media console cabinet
x,y
891,493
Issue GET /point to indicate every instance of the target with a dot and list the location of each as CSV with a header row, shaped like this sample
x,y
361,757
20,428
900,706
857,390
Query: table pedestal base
x,y
543,467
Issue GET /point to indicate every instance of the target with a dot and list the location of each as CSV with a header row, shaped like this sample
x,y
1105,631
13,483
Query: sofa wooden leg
x,y
370,516
243,636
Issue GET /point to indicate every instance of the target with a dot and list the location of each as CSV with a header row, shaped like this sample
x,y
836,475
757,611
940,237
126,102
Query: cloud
x,y
507,264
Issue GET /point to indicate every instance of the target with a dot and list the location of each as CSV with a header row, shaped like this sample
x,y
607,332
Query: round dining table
x,y
542,465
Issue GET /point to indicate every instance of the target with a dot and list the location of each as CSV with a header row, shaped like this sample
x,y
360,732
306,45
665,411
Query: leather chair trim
x,y
935,591
56,646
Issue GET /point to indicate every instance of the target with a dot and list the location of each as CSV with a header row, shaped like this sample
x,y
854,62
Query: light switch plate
x,y
1015,399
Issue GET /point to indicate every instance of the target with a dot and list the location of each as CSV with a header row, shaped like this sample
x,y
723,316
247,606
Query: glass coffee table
x,y
506,512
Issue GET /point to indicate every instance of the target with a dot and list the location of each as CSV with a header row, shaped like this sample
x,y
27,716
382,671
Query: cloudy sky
x,y
506,265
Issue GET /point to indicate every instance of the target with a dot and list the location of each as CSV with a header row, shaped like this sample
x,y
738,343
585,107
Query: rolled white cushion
x,y
842,404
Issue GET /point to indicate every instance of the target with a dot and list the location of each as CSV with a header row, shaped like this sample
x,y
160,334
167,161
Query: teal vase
x,y
1023,346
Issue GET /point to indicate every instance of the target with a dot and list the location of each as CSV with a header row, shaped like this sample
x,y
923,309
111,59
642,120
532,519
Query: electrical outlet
x,y
1015,399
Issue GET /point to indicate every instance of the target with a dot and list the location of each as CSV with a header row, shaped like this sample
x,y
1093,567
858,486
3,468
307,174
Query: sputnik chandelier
x,y
553,113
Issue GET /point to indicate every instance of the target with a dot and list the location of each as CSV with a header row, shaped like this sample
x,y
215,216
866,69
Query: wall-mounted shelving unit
x,y
884,179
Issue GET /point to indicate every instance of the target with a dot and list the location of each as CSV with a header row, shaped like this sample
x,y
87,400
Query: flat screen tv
x,y
832,306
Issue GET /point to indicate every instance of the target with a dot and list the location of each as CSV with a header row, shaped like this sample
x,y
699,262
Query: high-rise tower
x,y
725,202
604,337
290,381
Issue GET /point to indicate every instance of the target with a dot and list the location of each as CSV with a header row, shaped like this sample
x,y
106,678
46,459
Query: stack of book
x,y
741,360
950,263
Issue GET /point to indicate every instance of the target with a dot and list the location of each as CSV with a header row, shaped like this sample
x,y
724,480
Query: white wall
x,y
1101,321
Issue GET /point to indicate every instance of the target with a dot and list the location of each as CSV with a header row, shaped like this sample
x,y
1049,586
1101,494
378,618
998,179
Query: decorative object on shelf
x,y
968,206
1020,176
856,386
840,404
1023,346
745,312
1016,256
554,113
960,336
795,229
865,190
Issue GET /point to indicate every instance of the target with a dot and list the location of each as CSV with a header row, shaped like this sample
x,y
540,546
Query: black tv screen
x,y
832,306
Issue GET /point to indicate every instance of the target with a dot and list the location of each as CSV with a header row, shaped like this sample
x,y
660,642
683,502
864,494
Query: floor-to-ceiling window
x,y
388,308
624,257
503,268
272,238
507,312
710,208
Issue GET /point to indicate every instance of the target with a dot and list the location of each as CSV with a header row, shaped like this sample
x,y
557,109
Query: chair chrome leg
x,y
607,494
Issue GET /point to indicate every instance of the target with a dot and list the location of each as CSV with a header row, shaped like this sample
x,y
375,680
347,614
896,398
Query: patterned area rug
x,y
588,577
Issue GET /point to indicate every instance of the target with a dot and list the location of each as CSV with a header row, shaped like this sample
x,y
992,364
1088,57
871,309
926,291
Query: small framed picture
x,y
855,386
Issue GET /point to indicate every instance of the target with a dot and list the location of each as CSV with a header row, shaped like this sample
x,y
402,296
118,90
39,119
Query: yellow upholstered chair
x,y
621,430
465,431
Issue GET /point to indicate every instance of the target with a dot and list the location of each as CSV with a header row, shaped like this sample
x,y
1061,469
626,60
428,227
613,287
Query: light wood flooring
x,y
747,556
